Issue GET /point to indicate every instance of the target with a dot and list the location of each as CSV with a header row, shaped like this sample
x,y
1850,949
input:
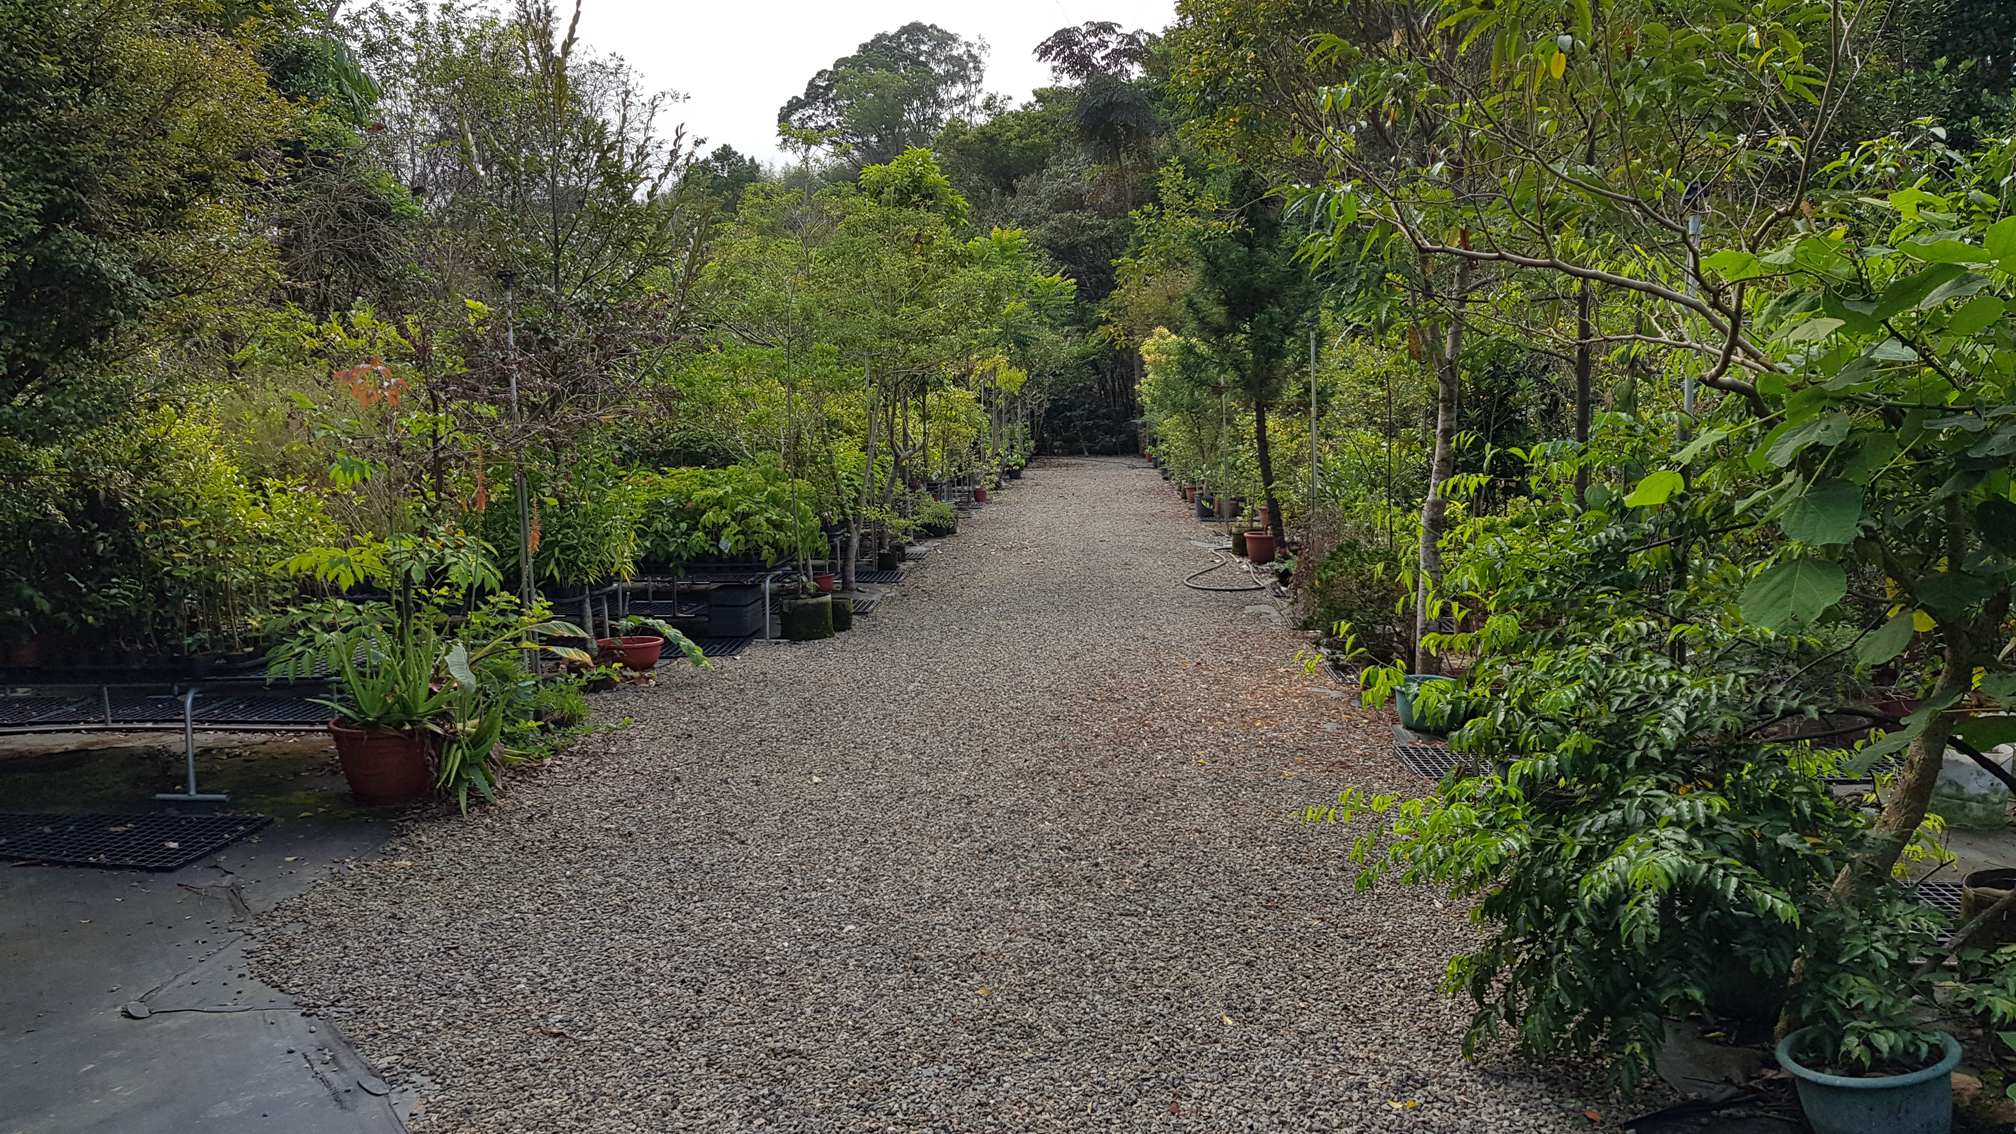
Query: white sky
x,y
738,62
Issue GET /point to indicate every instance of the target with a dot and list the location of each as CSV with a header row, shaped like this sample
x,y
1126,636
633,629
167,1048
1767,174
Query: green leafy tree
x,y
892,94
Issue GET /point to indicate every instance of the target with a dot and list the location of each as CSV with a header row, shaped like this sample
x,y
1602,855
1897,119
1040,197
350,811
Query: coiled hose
x,y
1223,561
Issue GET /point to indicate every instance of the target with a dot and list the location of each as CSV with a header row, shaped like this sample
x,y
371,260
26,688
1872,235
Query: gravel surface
x,y
1022,852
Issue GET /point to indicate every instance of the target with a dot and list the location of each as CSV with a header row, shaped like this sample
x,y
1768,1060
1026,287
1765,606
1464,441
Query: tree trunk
x,y
1585,366
1266,455
867,482
1435,509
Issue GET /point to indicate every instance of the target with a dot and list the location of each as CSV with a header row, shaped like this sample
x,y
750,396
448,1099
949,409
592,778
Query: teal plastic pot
x,y
1403,703
1918,1103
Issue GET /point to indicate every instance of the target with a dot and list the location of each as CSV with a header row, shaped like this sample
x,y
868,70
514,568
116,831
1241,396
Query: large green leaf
x,y
1794,593
1656,489
1827,513
1888,641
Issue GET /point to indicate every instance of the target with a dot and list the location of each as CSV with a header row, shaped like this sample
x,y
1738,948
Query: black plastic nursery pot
x,y
734,612
1203,506
887,559
1239,544
843,613
808,619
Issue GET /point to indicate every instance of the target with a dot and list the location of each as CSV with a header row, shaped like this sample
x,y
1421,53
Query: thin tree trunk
x,y
1266,455
1585,366
867,489
1435,508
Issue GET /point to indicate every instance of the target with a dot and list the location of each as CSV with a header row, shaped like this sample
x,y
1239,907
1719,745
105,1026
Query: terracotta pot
x,y
1262,518
979,496
824,581
639,652
1190,493
384,765
1260,547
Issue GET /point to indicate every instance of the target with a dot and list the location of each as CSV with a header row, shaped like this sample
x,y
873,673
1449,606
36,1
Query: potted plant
x,y
1916,1101
643,641
807,618
1429,691
1260,546
386,709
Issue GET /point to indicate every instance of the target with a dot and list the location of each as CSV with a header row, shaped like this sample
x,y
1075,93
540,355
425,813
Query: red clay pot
x,y
1260,547
638,652
979,496
1190,493
384,765
824,581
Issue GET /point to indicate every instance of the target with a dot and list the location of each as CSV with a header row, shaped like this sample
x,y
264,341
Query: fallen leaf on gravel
x,y
1404,1104
1227,1019
1592,1116
985,991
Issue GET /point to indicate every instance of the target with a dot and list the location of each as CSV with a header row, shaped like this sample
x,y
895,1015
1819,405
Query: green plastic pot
x,y
1403,703
1918,1103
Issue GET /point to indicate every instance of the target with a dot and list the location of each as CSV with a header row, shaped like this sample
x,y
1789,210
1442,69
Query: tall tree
x,y
1253,302
894,93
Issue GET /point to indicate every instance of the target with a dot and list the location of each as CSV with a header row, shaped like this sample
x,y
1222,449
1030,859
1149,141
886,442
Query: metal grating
x,y
1941,896
124,842
1434,761
866,605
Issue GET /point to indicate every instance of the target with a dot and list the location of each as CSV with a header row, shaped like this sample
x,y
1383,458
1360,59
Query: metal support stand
x,y
191,795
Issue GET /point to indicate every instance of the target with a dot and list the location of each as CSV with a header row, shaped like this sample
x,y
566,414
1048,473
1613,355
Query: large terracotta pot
x,y
824,581
638,652
1260,547
384,765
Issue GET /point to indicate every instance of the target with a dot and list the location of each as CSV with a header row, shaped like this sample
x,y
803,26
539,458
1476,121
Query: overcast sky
x,y
738,62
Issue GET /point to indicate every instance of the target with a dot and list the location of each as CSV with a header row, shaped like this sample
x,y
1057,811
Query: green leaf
x,y
458,667
1946,252
1734,264
1887,642
1826,514
1976,314
1825,431
1656,489
1997,521
1815,329
2001,241
1794,593
1902,295
1950,594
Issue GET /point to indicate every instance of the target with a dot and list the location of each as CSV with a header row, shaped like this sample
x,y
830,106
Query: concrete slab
x,y
126,1004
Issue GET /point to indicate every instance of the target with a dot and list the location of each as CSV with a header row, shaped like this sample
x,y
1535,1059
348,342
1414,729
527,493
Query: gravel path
x,y
1022,852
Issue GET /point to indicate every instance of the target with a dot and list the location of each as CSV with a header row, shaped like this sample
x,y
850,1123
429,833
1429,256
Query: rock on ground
x,y
1022,852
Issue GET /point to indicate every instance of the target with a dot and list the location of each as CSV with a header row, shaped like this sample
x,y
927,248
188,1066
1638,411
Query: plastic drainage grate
x,y
866,606
36,709
1434,761
713,647
262,711
123,842
883,577
660,608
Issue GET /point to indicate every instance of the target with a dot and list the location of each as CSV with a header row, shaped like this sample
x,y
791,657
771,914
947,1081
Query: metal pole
x,y
1312,436
518,493
190,794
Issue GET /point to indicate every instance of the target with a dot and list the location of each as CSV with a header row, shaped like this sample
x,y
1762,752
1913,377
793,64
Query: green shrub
x,y
1359,582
